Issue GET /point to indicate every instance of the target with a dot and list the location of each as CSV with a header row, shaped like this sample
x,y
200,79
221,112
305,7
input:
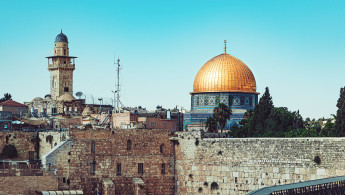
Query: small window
x,y
140,168
118,169
64,52
66,89
161,148
64,62
152,123
163,168
64,180
31,155
129,145
164,124
92,147
92,167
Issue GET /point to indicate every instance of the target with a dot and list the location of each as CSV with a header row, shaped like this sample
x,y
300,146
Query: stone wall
x,y
24,185
23,141
58,136
105,149
241,165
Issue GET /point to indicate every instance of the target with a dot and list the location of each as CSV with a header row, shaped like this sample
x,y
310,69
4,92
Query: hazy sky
x,y
296,48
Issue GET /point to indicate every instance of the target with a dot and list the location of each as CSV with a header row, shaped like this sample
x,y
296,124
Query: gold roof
x,y
224,73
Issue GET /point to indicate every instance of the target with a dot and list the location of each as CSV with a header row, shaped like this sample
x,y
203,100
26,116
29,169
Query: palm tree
x,y
211,124
221,114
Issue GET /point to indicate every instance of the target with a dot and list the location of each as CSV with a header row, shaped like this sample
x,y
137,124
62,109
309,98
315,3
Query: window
x,y
164,124
64,62
161,148
163,168
140,168
92,147
118,169
152,123
92,167
64,180
129,145
31,155
66,89
64,52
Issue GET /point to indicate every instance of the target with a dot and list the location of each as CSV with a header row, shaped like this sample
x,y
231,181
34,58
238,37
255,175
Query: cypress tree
x,y
340,117
261,113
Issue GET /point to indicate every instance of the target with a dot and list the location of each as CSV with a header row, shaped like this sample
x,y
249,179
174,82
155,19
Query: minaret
x,y
61,67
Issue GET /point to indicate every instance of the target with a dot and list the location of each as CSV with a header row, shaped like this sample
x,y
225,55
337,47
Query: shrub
x,y
220,153
214,186
190,175
197,142
200,189
10,151
205,183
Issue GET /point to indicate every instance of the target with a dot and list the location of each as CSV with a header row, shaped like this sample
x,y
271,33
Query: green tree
x,y
6,97
211,125
261,113
221,114
339,126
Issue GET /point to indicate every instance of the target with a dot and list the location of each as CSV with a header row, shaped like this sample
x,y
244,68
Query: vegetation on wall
x,y
10,151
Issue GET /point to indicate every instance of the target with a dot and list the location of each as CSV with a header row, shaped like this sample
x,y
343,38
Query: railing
x,y
52,66
332,185
20,169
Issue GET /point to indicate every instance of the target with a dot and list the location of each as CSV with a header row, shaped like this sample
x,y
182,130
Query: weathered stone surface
x,y
241,165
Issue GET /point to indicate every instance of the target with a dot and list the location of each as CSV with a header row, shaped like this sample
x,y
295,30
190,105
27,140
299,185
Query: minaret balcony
x,y
61,66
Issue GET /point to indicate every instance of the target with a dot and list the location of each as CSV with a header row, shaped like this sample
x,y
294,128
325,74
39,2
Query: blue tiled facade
x,y
202,105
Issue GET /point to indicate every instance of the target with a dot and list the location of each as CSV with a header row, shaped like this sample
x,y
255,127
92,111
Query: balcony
x,y
61,66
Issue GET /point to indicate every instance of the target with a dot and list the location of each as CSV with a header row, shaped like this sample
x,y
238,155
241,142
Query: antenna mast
x,y
117,86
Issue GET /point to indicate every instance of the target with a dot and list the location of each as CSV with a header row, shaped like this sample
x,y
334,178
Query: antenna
x,y
117,84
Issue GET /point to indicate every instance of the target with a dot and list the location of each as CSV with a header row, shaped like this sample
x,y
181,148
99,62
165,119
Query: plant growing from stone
x,y
10,151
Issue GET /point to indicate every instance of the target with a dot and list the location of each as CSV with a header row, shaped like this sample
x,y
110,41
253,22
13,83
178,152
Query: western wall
x,y
241,165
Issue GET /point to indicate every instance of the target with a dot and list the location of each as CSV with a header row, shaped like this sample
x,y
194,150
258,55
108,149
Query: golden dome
x,y
224,73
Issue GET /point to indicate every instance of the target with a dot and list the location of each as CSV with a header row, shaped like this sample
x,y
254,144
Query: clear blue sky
x,y
295,47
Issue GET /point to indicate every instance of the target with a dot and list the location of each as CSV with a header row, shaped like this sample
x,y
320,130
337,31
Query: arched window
x,y
161,148
129,145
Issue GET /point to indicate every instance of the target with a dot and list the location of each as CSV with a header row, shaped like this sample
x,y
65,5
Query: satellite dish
x,y
79,94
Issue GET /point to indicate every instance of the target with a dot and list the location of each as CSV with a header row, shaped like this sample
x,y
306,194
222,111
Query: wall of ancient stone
x,y
106,149
24,185
241,165
23,141
46,145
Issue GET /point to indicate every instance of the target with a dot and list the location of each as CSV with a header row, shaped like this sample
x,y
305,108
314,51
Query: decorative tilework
x,y
236,101
246,101
201,100
217,99
206,100
225,100
212,100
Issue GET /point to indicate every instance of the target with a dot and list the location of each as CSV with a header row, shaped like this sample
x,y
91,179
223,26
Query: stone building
x,y
61,67
14,107
120,161
223,79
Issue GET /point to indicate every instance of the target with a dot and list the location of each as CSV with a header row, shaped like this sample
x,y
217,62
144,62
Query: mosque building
x,y
223,79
